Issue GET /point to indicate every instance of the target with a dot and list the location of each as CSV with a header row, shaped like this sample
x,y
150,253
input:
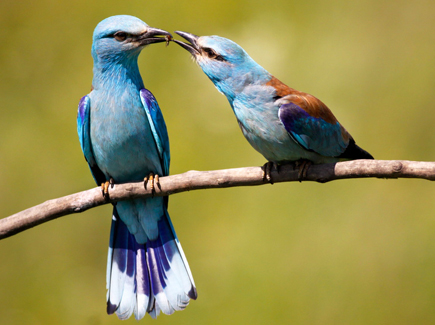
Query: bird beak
x,y
193,47
151,36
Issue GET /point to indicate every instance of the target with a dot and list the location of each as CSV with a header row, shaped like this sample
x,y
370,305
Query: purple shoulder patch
x,y
82,107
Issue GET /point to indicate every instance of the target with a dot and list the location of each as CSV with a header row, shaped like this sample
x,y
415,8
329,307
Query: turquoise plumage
x,y
283,124
123,137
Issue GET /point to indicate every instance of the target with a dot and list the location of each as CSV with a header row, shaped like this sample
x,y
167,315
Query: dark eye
x,y
120,36
212,54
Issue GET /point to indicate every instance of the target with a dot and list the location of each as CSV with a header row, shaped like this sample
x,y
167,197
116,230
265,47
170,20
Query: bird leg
x,y
267,170
105,187
153,179
303,165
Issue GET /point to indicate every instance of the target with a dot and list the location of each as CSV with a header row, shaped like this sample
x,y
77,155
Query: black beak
x,y
193,47
151,36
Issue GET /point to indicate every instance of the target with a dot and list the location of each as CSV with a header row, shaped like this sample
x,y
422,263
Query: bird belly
x,y
123,144
275,145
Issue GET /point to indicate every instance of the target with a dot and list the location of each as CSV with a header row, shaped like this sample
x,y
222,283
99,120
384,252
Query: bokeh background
x,y
348,252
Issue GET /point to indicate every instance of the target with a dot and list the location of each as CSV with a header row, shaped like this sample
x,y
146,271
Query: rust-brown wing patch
x,y
307,102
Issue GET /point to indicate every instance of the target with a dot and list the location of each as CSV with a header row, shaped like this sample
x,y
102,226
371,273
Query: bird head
x,y
119,37
223,61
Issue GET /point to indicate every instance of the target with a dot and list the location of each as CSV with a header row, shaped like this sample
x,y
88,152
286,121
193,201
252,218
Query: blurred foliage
x,y
348,252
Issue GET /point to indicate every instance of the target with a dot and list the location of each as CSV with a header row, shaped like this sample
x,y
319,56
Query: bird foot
x,y
153,179
267,170
105,188
303,165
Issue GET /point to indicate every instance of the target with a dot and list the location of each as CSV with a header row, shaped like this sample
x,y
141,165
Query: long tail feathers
x,y
149,277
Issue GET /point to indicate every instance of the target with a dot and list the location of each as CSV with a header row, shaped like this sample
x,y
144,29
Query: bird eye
x,y
212,54
120,36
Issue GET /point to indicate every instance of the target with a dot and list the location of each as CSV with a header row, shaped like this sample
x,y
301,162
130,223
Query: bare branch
x,y
195,180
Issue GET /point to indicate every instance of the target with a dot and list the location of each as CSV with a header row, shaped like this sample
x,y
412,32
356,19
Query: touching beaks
x,y
193,47
152,36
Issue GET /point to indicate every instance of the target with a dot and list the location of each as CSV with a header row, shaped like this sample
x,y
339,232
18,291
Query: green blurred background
x,y
347,252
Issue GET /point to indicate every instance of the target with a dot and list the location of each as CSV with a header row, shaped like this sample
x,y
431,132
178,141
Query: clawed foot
x,y
153,179
267,170
105,187
303,166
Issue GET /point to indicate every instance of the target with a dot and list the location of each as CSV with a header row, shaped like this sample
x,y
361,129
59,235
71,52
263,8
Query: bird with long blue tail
x,y
123,137
283,124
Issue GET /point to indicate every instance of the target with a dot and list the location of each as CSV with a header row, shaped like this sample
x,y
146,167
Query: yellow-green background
x,y
347,252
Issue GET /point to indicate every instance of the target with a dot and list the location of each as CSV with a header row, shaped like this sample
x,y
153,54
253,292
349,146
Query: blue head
x,y
118,40
228,65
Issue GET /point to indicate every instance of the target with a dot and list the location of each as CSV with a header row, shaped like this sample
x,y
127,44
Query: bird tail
x,y
355,152
147,278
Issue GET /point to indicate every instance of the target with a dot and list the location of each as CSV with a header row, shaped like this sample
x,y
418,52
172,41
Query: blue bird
x,y
283,124
123,137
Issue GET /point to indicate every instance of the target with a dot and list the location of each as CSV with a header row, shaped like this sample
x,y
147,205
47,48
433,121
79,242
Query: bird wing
x,y
315,131
158,127
83,129
309,122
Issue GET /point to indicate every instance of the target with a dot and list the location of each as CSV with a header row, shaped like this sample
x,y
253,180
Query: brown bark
x,y
195,180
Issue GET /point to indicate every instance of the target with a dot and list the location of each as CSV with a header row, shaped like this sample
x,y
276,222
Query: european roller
x,y
124,138
283,124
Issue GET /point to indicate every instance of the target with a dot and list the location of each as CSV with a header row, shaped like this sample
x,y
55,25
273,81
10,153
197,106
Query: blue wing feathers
x,y
83,130
312,133
83,125
158,127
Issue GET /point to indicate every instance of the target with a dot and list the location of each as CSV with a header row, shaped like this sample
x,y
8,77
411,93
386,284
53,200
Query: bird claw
x,y
153,179
105,187
303,165
267,170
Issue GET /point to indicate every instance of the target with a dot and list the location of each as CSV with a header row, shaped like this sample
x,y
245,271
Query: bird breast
x,y
122,141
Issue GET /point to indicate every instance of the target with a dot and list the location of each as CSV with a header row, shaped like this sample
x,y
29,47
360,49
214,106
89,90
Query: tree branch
x,y
195,180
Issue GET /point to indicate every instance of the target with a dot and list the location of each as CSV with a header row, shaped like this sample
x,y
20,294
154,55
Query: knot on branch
x,y
397,167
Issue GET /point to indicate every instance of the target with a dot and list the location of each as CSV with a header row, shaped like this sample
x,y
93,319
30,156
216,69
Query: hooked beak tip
x,y
154,35
192,46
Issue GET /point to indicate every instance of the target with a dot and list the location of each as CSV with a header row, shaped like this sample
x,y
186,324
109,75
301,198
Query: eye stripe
x,y
212,54
120,36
